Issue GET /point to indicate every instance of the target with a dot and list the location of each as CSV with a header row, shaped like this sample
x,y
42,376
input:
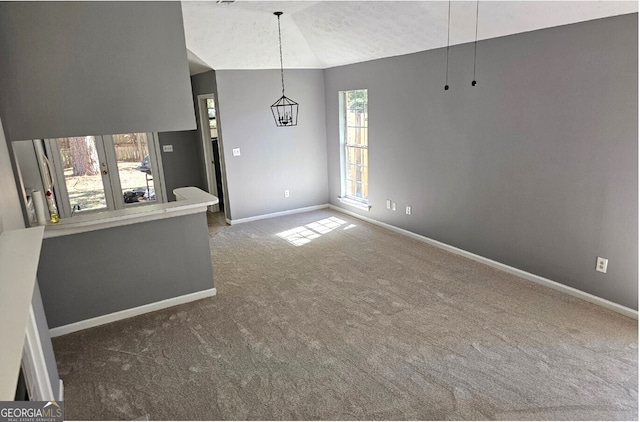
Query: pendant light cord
x,y
475,46
446,78
281,66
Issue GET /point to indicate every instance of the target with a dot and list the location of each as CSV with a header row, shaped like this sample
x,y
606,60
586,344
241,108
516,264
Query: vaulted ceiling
x,y
322,34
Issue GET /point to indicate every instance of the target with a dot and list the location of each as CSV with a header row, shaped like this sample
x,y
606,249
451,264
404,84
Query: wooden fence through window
x,y
126,153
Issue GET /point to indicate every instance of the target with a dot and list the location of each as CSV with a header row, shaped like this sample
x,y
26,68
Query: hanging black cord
x,y
446,78
475,47
280,43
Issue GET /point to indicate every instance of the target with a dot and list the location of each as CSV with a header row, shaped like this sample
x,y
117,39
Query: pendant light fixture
x,y
446,80
475,47
284,110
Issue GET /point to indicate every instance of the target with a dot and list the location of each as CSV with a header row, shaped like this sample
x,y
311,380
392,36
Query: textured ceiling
x,y
321,34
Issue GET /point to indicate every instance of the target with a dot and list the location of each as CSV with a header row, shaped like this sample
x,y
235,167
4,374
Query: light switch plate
x,y
167,148
236,152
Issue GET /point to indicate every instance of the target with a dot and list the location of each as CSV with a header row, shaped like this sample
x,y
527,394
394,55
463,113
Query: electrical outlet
x,y
408,210
393,206
286,193
388,204
236,152
601,265
167,148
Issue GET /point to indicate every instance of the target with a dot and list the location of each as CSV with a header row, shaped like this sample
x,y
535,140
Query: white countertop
x,y
196,200
19,257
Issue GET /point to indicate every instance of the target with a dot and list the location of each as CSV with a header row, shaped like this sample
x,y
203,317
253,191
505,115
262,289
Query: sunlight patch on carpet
x,y
302,235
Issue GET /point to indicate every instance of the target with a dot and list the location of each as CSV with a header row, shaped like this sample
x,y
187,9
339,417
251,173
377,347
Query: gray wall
x,y
272,159
10,208
91,68
11,219
96,273
535,167
181,166
81,68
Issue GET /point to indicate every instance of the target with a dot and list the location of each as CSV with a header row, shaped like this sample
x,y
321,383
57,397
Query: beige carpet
x,y
322,316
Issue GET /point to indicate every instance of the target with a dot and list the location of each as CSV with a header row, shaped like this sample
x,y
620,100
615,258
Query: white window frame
x,y
111,180
345,197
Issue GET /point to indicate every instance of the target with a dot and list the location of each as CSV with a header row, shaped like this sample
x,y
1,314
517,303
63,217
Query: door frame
x,y
105,149
205,139
60,186
156,166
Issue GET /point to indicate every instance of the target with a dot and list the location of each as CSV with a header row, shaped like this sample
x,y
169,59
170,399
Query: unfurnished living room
x,y
319,210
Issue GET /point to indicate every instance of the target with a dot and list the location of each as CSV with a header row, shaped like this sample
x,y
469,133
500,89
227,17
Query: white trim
x,y
631,313
205,140
110,180
34,365
354,203
277,214
61,391
58,184
208,156
19,257
128,313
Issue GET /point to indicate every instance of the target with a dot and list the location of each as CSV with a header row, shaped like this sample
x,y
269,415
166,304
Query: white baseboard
x,y
278,214
128,313
631,313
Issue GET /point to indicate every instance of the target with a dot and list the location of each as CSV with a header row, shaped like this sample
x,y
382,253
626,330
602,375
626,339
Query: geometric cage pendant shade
x,y
284,110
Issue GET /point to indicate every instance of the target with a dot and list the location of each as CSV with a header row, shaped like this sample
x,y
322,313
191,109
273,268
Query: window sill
x,y
192,200
356,204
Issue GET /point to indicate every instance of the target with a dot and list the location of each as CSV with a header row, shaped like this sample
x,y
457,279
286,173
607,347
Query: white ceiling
x,y
321,34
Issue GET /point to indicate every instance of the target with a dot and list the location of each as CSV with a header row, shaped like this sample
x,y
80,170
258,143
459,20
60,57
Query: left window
x,y
108,172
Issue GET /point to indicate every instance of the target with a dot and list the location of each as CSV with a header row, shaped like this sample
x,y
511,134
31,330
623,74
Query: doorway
x,y
102,172
213,152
